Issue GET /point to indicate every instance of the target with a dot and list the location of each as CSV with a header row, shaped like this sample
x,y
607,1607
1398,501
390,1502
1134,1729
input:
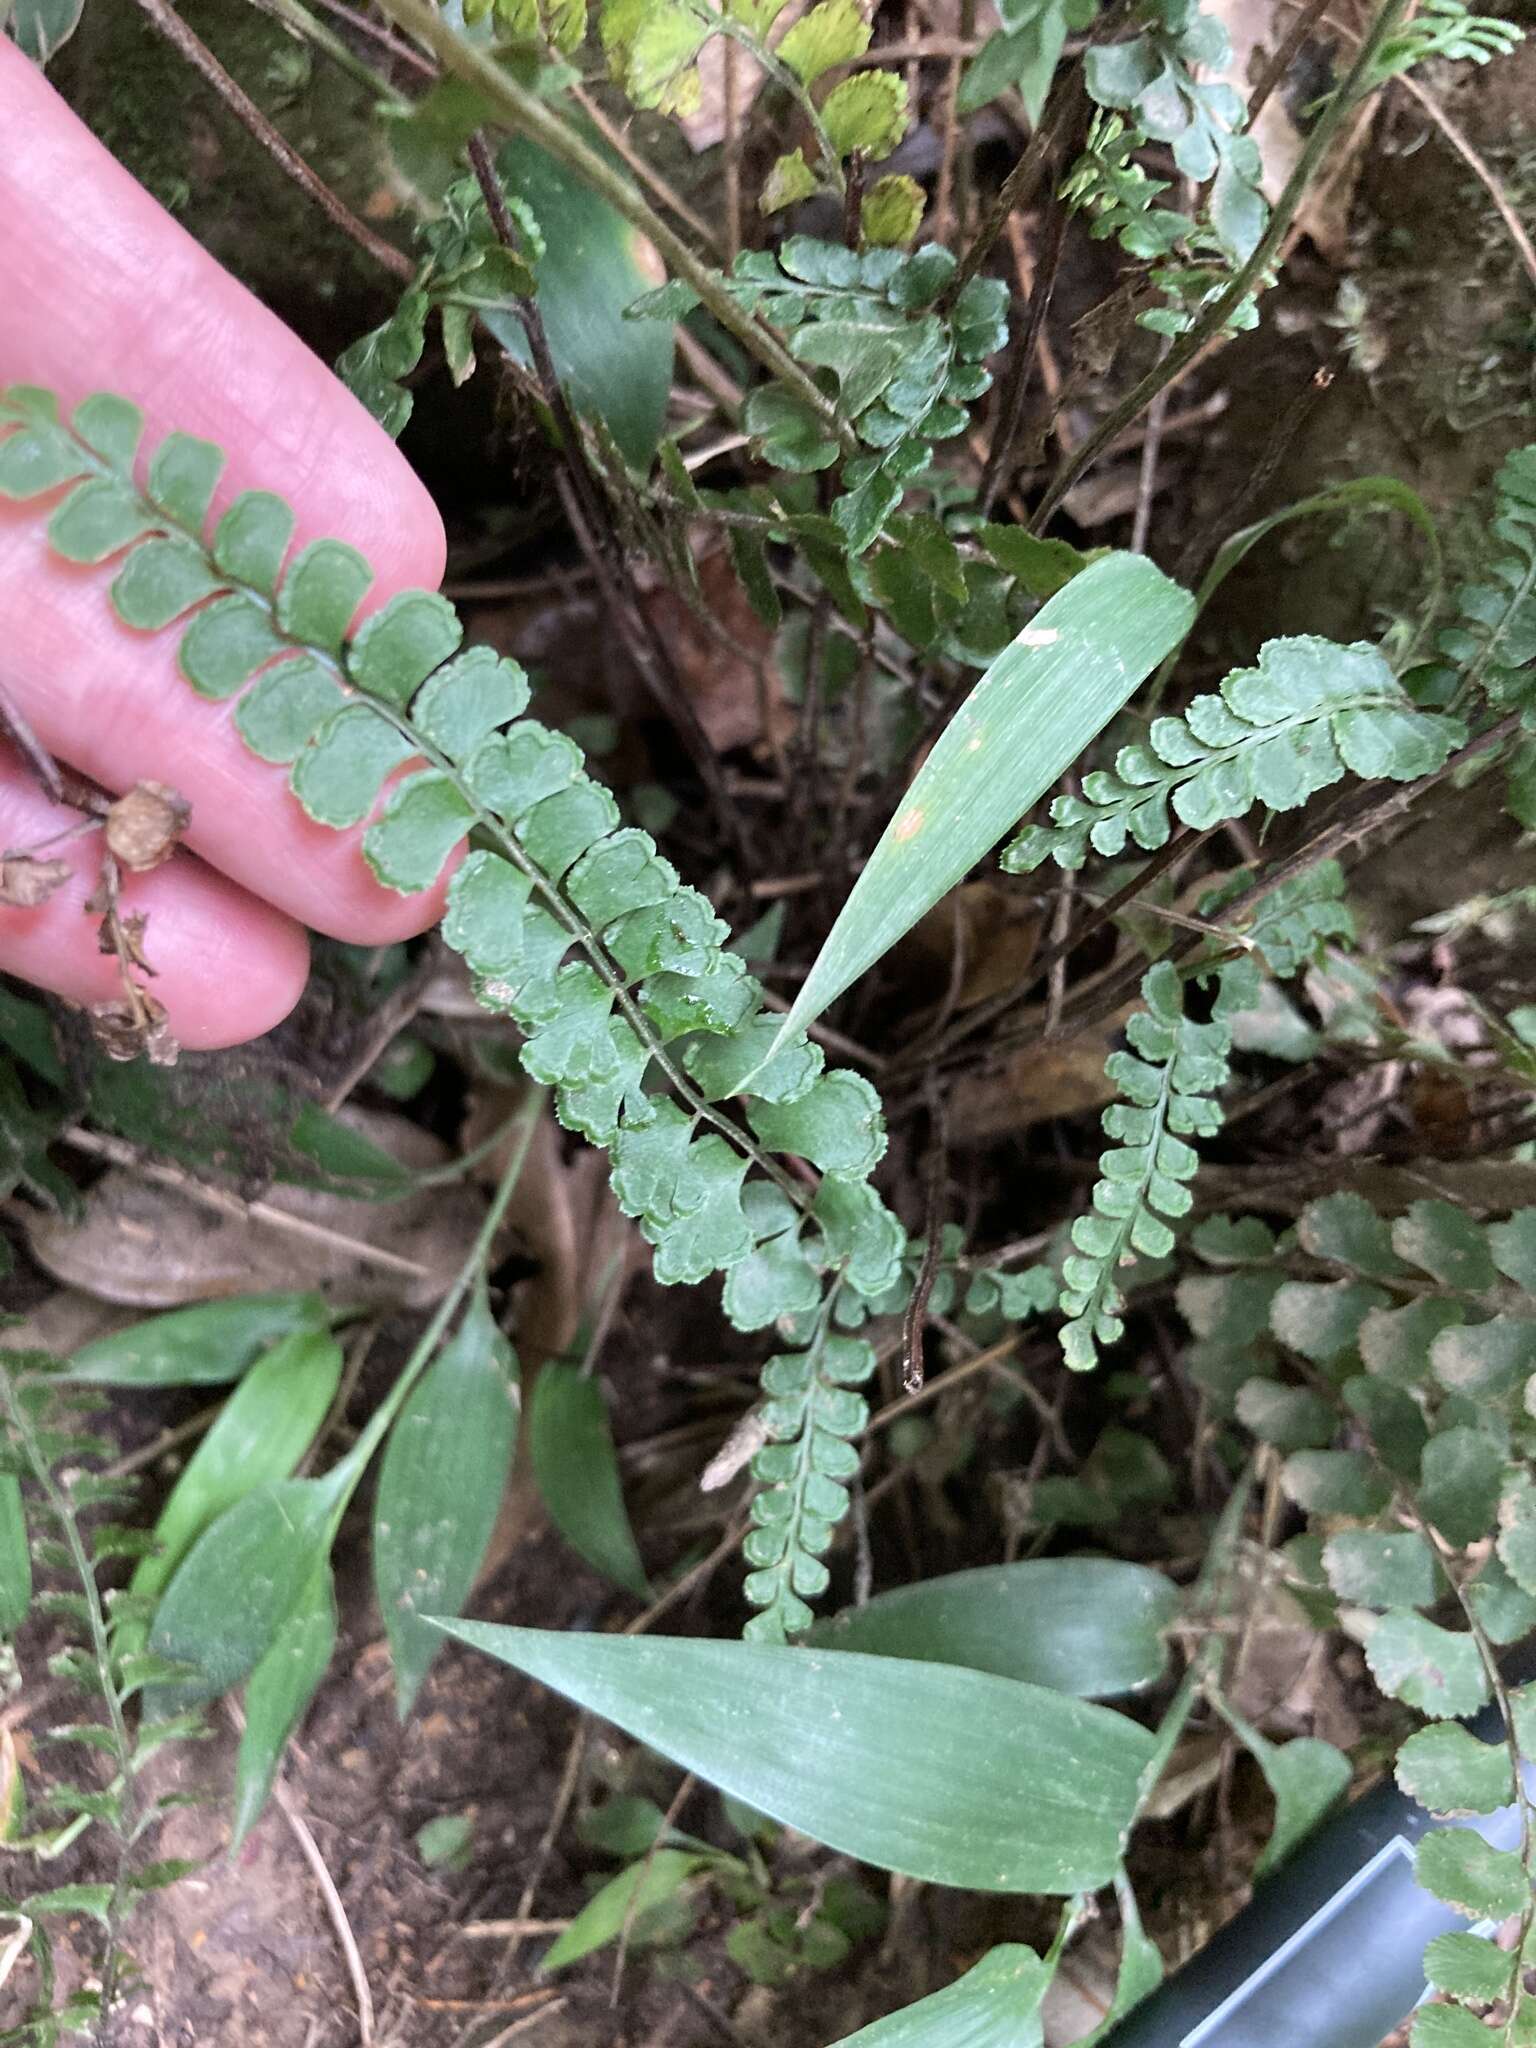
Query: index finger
x,y
104,288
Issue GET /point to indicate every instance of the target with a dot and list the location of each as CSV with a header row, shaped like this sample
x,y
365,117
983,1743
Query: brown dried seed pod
x,y
144,826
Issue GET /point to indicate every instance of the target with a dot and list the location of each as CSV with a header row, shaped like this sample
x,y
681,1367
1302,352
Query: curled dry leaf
x,y
132,1025
144,826
26,882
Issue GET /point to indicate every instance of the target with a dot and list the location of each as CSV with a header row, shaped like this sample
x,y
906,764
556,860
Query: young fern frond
x,y
1494,637
905,371
1168,1082
811,1417
48,1513
633,1012
1274,735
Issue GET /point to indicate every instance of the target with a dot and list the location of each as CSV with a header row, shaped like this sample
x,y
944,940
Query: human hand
x,y
103,290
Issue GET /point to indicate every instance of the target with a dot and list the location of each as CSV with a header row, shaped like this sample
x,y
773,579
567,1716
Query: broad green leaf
x,y
1381,1567
227,642
277,1695
440,1489
1468,1966
424,820
1346,1230
830,33
182,477
260,1434
1463,1473
861,1752
577,1470
1027,720
15,1557
837,1124
1513,1245
1468,1873
1448,2026
112,425
594,265
996,2004
1488,1359
288,704
650,1882
1433,1670
205,1346
1321,1318
251,540
867,112
99,518
1290,1418
338,776
1091,1626
397,648
1395,1343
160,580
1447,1243
1447,1769
241,1581
1335,1483
325,584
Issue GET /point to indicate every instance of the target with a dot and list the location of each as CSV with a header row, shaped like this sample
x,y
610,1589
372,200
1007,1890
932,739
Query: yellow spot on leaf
x,y
909,826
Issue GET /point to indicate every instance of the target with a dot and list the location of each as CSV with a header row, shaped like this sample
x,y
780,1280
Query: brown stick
x,y
282,153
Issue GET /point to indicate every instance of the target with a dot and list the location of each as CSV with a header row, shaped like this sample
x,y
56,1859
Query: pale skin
x,y
101,290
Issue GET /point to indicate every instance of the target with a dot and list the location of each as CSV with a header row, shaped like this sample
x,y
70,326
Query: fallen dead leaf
x,y
998,930
728,669
153,1246
1059,1079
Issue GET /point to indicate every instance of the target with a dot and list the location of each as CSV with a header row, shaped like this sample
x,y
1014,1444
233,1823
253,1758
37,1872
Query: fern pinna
x,y
652,1035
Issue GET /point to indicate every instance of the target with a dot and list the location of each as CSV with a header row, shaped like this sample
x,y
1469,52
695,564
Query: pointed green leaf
x,y
15,1558
277,1696
242,1579
996,2004
204,1346
577,1470
260,1434
650,1882
440,1490
1031,715
1037,1797
1091,1626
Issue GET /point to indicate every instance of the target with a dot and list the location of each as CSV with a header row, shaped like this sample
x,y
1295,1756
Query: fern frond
x,y
1494,637
905,371
811,1417
633,1012
1274,735
1168,1084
